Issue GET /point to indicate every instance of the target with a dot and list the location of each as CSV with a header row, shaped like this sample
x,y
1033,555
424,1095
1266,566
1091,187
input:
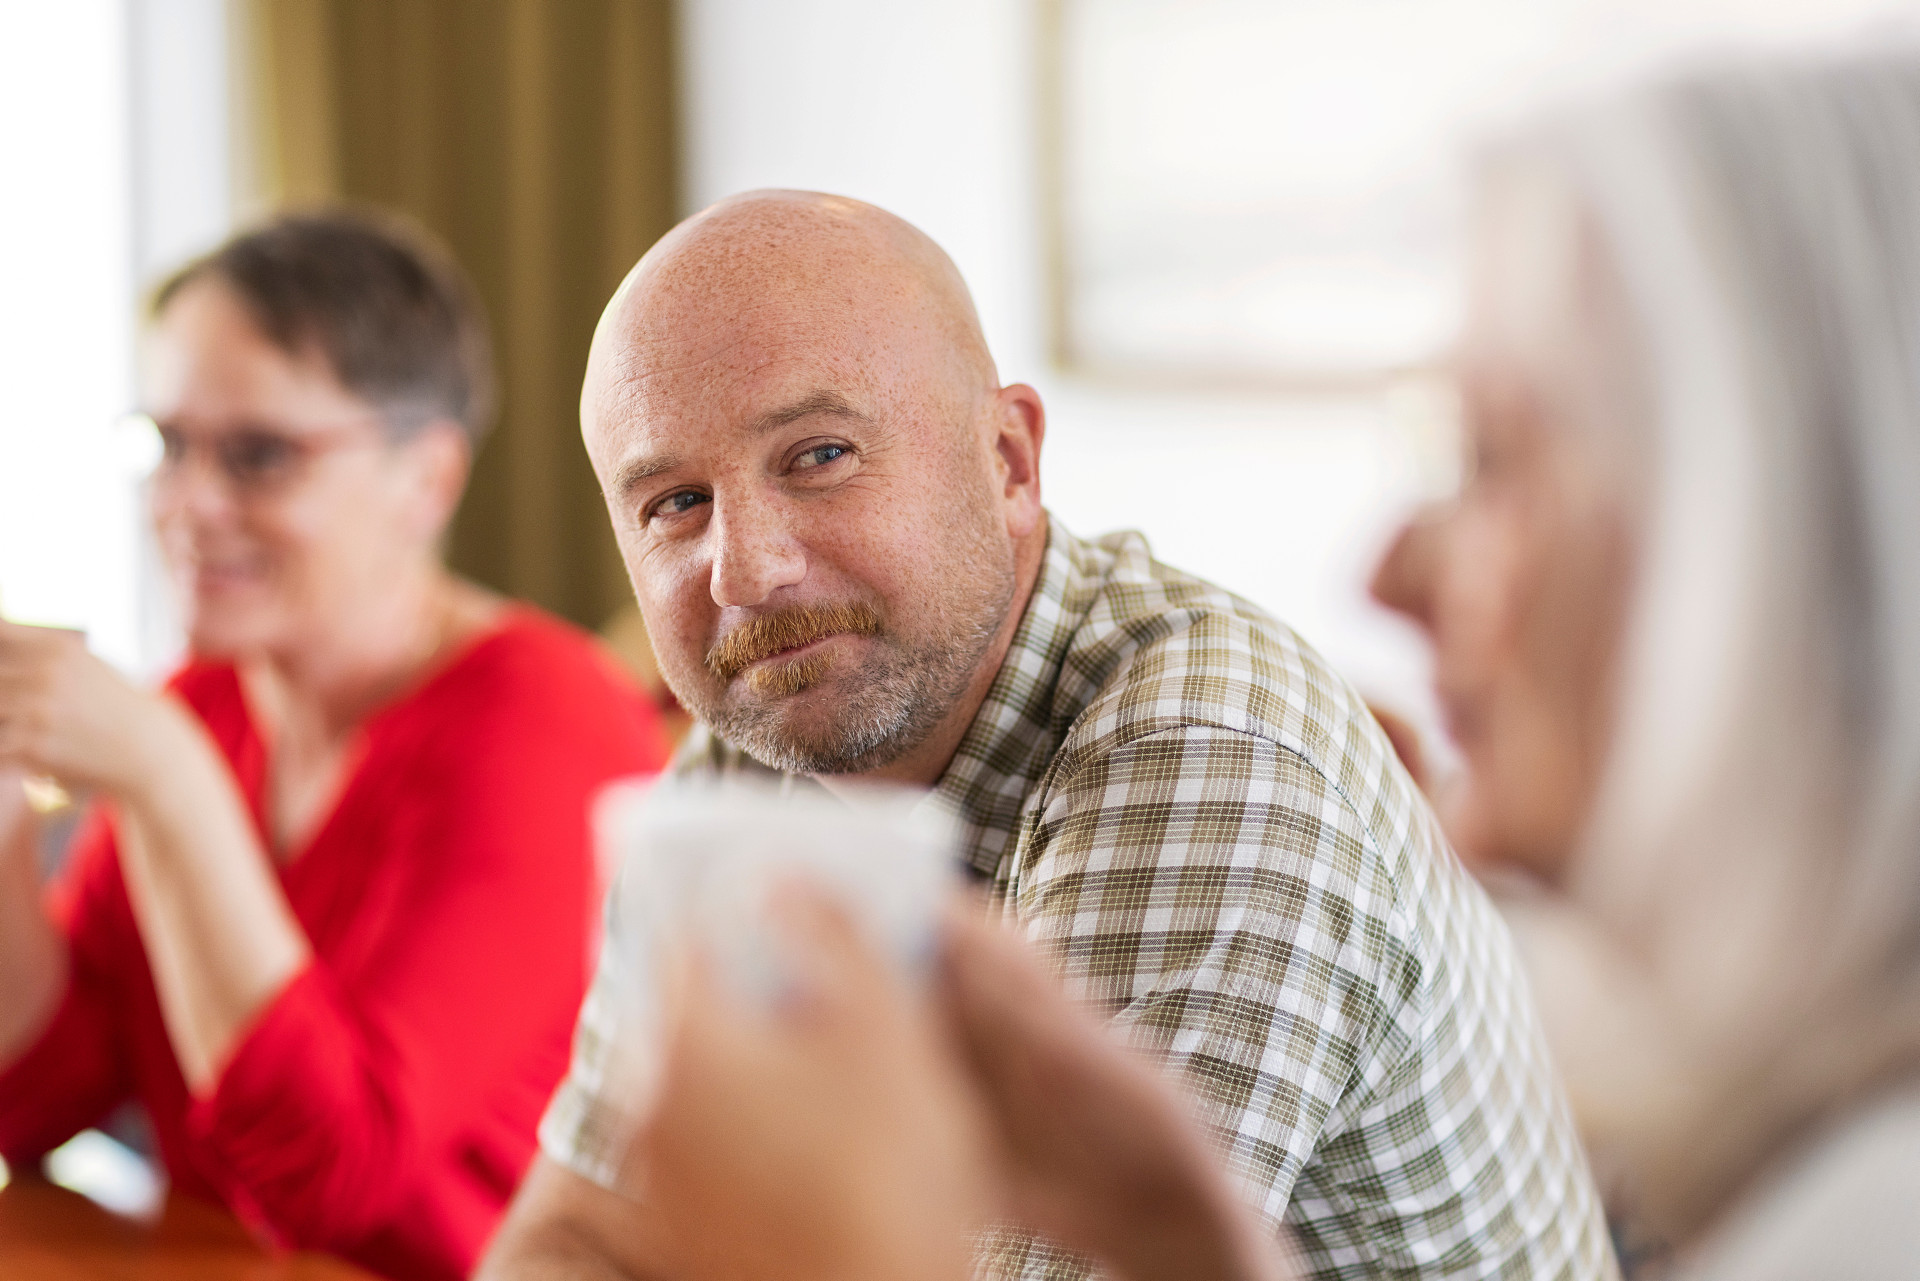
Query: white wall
x,y
181,78
928,110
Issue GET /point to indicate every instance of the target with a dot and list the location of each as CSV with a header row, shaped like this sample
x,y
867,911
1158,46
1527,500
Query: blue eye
x,y
676,504
819,456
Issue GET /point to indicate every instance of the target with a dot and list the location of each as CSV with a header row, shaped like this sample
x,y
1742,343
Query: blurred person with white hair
x,y
1676,617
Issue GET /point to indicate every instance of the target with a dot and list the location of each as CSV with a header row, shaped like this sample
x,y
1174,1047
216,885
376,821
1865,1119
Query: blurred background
x,y
1221,236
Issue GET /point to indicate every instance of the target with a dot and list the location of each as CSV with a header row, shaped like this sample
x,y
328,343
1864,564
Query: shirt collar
x,y
1012,739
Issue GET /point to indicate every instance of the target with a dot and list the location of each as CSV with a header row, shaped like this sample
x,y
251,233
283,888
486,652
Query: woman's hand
x,y
32,955
831,1136
1103,1154
66,713
220,938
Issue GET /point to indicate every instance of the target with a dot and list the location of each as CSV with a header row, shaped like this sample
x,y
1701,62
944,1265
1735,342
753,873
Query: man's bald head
x,y
790,258
828,505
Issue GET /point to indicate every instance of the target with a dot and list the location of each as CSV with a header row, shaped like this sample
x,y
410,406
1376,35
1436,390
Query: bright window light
x,y
69,509
108,1173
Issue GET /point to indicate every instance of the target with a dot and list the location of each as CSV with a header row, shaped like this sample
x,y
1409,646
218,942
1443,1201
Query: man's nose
x,y
754,555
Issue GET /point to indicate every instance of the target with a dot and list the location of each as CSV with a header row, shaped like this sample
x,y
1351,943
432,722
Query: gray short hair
x,y
390,311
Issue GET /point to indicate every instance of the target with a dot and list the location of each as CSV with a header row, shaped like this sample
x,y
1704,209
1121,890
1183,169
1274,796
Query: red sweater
x,y
382,1106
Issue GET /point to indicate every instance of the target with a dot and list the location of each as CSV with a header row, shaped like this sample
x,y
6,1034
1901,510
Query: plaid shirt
x,y
1201,823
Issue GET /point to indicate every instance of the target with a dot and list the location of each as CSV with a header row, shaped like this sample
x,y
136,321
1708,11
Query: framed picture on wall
x,y
1272,192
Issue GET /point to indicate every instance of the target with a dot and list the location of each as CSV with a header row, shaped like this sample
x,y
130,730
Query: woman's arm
x,y
468,947
32,957
220,937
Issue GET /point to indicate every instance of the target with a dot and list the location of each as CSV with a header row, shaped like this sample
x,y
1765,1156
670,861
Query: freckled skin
x,y
789,403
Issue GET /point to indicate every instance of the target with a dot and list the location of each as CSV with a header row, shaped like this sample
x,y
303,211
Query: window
x,y
114,158
68,534
1268,191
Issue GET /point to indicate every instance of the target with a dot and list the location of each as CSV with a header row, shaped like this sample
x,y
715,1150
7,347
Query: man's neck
x,y
923,765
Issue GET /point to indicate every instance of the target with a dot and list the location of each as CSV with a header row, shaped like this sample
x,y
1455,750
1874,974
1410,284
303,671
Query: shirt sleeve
x,y
1230,908
588,1127
76,1070
353,1084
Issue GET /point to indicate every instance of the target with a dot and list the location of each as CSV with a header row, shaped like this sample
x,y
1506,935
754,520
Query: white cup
x,y
698,859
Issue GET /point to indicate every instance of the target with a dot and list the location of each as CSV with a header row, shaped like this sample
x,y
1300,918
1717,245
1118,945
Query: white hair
x,y
1745,960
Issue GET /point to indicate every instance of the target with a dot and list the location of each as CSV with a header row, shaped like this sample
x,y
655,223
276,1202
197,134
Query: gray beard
x,y
896,700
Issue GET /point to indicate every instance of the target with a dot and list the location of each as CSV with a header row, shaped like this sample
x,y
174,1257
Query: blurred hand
x,y
32,953
1405,740
16,816
66,713
833,1136
1103,1153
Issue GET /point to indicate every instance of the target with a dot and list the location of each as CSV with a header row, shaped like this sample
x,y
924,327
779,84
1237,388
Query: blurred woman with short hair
x,y
1676,618
331,917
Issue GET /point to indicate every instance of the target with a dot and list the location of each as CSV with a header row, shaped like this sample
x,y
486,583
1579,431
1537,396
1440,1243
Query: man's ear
x,y
442,458
1021,424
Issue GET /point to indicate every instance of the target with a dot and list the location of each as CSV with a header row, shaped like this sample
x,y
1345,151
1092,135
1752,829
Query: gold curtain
x,y
536,138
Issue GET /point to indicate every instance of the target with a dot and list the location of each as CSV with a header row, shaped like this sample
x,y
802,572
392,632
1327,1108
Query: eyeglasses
x,y
256,462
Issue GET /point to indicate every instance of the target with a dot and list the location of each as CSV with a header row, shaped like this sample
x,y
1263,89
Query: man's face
x,y
809,509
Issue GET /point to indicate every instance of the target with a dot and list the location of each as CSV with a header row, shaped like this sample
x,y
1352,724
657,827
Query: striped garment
x,y
1176,799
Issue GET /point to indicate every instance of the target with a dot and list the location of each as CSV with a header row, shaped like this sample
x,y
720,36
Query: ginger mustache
x,y
773,634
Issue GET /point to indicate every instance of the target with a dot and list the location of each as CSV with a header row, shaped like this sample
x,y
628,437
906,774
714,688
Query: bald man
x,y
830,508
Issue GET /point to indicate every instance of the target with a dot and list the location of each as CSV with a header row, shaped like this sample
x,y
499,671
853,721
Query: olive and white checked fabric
x,y
1177,800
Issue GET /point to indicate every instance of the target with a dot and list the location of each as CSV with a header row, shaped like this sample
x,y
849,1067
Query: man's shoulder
x,y
1162,651
1208,718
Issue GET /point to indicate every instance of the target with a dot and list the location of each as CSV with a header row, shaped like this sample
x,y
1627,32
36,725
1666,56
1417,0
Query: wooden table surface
x,y
50,1234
